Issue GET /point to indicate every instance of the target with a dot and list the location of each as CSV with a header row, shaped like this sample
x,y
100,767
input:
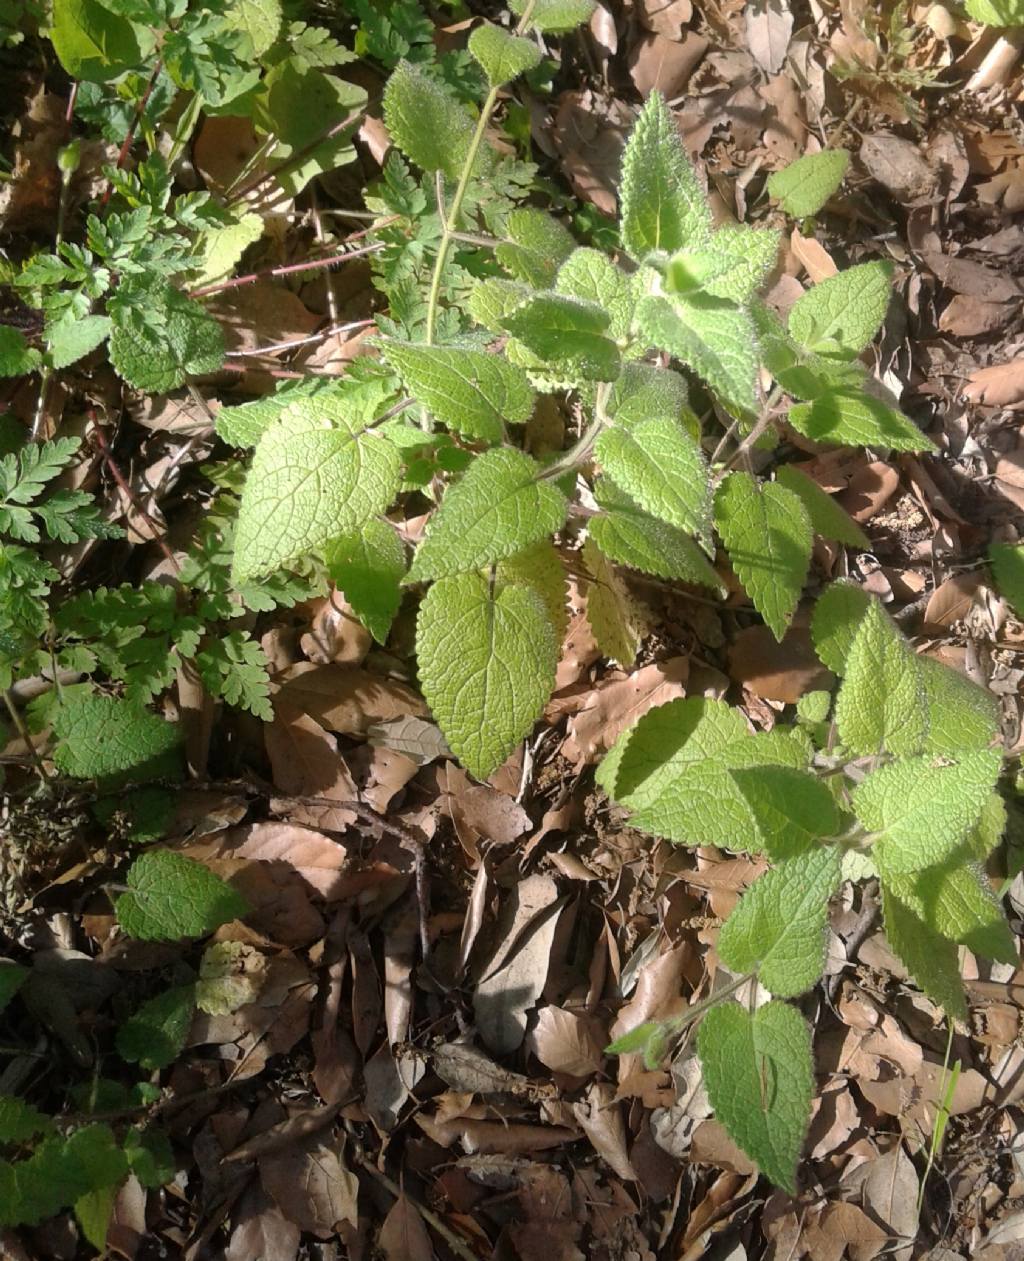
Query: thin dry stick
x,y
454,1241
133,498
26,737
290,269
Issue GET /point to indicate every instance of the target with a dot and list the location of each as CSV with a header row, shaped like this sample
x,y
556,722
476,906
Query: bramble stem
x,y
450,217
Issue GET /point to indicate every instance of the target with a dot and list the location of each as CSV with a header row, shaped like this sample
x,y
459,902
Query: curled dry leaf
x,y
600,1117
1002,385
318,859
898,166
404,1235
618,702
306,763
568,1043
464,1068
261,1230
311,1186
589,132
657,64
517,971
774,670
347,699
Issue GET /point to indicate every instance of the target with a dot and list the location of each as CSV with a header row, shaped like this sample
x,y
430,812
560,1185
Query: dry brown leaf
x,y
967,316
506,1138
963,276
318,859
600,1117
785,134
415,738
777,671
1010,468
306,763
665,17
952,600
470,1071
769,25
1002,385
347,699
843,1231
589,132
480,811
619,701
887,1188
869,490
261,314
404,1236
335,633
568,1043
657,64
898,166
387,773
311,1186
813,257
515,975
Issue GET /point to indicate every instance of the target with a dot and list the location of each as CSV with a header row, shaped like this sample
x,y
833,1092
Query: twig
x,y
25,735
859,934
454,1241
288,270
133,498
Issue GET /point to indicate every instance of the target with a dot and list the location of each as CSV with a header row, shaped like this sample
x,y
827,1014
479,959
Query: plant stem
x,y
183,130
450,217
343,256
26,738
584,445
694,1013
140,109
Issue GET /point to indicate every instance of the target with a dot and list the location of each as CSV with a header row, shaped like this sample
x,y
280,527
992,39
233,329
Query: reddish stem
x,y
290,270
126,144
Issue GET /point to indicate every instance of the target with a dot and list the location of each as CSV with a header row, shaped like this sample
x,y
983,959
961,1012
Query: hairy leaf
x,y
428,124
630,536
931,959
470,391
768,534
1007,562
760,1080
592,276
615,618
643,390
961,715
567,334
662,469
855,419
309,484
172,897
922,808
841,314
71,339
535,246
113,740
715,338
733,264
487,656
827,518
154,1036
159,355
498,508
837,617
778,927
92,41
958,903
804,186
882,705
793,808
369,566
664,208
556,16
502,55
672,769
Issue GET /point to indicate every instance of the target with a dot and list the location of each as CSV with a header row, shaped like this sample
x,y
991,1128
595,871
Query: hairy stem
x,y
450,217
582,448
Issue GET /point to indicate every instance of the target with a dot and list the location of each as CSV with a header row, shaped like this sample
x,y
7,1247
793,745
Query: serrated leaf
x,y
615,618
642,391
804,186
663,207
17,357
427,123
836,619
760,1080
498,508
592,276
502,55
882,705
310,484
222,246
12,978
957,901
632,537
368,566
841,314
793,808
231,974
487,661
171,897
260,20
672,769
19,1121
1007,561
535,246
150,1157
798,370
931,959
922,808
961,715
987,832
662,469
160,357
813,707
733,264
540,568
856,420
93,42
777,929
827,518
113,740
71,339
469,391
714,338
154,1036
556,16
567,334
298,101
768,535
491,300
